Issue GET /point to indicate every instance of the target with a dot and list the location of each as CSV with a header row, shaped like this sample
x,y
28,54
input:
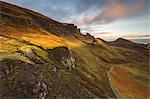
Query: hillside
x,y
131,45
42,58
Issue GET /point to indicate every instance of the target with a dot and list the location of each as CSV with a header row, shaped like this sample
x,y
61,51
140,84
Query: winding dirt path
x,y
110,81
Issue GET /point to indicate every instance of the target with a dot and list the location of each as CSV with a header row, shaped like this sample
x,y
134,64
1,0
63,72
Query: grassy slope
x,y
92,60
131,81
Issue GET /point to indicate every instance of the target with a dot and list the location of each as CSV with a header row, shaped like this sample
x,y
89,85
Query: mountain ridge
x,y
29,18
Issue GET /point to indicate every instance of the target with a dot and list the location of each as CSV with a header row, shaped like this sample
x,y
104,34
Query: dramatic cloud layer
x,y
85,5
113,11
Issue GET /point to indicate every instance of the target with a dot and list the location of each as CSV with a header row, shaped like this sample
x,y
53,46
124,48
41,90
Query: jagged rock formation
x,y
42,58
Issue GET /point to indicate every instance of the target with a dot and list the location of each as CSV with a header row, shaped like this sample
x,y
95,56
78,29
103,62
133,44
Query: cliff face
x,y
42,58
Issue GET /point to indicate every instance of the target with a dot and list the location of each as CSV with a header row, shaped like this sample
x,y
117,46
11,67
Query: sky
x,y
106,19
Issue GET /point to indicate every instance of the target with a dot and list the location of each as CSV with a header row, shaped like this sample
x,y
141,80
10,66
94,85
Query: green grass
x,y
14,56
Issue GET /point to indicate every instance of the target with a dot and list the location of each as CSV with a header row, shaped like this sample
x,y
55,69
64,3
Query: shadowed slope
x,y
129,44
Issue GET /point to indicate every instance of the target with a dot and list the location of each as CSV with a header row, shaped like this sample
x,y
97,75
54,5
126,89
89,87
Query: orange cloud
x,y
114,11
117,10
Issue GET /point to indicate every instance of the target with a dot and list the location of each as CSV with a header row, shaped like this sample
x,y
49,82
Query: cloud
x,y
113,11
55,9
84,13
83,6
135,36
116,11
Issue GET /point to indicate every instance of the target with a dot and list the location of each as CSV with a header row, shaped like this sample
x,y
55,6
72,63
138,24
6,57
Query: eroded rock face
x,y
41,90
68,61
63,55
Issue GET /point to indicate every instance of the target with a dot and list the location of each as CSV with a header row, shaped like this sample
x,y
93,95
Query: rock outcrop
x,y
63,55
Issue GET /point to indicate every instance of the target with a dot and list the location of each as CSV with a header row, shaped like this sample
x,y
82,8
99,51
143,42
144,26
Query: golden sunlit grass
x,y
73,43
38,37
46,41
38,51
14,56
9,45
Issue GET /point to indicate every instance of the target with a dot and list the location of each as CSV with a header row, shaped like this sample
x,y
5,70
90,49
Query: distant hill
x,y
129,44
42,58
